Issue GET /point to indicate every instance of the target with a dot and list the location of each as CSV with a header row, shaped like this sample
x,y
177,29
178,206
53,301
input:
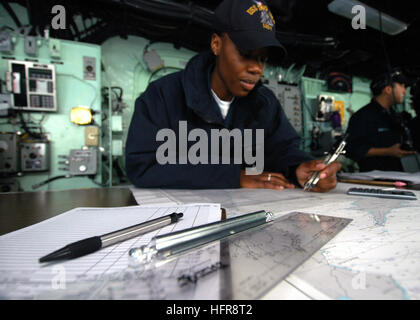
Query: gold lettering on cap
x,y
266,26
267,19
251,10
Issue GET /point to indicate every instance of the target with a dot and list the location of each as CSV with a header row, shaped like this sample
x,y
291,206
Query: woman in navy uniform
x,y
221,89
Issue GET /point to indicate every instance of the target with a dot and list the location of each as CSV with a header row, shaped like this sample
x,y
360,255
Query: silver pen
x,y
330,158
89,245
170,244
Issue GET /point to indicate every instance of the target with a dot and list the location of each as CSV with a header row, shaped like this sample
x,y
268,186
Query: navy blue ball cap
x,y
249,24
400,78
386,79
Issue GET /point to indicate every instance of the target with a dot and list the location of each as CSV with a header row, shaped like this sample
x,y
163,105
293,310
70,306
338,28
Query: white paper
x,y
23,277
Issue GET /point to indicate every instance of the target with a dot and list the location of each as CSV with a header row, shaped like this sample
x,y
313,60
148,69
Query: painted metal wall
x,y
124,67
72,91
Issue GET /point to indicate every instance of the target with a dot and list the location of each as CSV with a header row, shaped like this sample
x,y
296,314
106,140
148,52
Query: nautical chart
x,y
377,256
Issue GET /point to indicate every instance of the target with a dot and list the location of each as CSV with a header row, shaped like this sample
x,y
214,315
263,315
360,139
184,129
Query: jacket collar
x,y
196,84
381,109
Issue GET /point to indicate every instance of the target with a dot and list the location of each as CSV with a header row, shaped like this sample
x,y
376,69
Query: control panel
x,y
33,86
289,97
9,153
36,132
83,162
35,156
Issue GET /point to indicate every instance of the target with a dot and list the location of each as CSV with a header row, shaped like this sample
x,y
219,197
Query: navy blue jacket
x,y
186,96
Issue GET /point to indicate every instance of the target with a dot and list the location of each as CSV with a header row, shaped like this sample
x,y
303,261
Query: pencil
x,y
375,183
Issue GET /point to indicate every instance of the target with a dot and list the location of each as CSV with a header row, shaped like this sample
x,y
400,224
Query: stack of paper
x,y
23,277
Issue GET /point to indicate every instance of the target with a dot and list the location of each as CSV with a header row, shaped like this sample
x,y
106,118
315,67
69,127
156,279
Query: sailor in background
x,y
376,136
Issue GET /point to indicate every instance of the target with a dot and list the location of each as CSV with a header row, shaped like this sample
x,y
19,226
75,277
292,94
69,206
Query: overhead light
x,y
81,115
390,25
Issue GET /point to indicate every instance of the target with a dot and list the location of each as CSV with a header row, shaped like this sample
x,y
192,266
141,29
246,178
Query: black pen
x,y
89,245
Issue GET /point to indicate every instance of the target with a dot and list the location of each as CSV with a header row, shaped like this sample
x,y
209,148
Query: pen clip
x,y
176,242
330,158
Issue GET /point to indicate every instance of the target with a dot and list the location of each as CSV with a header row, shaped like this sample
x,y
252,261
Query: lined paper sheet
x,y
155,281
22,277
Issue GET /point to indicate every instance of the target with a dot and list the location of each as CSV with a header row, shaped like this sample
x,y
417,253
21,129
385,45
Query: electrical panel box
x,y
83,162
289,97
89,68
54,46
5,104
92,136
117,147
6,44
33,86
31,47
9,185
35,156
116,123
153,60
9,153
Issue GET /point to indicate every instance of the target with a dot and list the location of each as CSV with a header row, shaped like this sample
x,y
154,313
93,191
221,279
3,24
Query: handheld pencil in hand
x,y
89,245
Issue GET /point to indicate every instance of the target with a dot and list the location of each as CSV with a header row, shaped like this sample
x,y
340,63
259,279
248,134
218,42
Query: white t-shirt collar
x,y
223,105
